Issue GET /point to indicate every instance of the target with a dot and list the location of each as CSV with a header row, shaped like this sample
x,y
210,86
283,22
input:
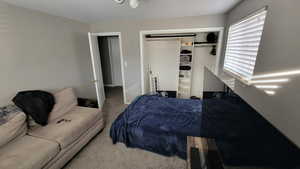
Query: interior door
x,y
97,70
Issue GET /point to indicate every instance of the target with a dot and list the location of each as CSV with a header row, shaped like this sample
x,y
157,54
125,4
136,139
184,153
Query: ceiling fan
x,y
132,3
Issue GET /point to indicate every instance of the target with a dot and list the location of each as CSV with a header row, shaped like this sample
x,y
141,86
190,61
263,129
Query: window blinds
x,y
243,44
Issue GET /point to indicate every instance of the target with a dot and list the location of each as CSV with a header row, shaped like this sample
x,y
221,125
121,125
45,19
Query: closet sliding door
x,y
163,57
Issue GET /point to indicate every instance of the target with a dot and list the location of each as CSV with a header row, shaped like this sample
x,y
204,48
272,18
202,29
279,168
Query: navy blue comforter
x,y
158,124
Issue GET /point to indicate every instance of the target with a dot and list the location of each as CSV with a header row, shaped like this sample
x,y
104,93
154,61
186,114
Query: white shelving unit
x,y
185,76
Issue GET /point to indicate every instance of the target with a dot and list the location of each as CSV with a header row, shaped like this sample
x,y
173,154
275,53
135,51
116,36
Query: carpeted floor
x,y
100,153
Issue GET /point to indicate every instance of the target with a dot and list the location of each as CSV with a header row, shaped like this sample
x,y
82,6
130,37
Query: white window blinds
x,y
243,44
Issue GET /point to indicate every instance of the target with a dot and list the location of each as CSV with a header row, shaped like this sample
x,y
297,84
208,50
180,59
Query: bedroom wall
x,y
40,51
279,52
130,37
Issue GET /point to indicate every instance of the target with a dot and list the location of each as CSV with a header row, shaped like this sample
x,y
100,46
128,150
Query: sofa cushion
x,y
27,153
66,129
12,124
65,100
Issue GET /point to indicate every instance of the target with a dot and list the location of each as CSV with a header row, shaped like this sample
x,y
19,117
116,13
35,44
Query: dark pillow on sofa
x,y
37,104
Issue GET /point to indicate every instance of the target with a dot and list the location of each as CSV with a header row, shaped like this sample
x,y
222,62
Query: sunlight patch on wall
x,y
271,82
270,92
279,74
267,86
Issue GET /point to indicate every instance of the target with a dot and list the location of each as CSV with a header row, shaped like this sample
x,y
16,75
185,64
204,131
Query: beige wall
x,y
279,52
130,39
40,51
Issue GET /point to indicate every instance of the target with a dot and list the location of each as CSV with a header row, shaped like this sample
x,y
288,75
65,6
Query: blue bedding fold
x,y
158,124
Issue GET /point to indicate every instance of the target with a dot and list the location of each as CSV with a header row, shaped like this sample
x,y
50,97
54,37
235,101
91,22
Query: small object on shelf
x,y
186,51
185,74
185,68
187,44
186,58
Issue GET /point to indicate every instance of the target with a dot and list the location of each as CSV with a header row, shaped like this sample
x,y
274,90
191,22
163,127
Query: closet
x,y
174,63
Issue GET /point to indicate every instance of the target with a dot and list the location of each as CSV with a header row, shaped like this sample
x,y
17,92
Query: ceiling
x,y
100,10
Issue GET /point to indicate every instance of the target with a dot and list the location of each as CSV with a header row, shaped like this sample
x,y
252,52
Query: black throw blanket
x,y
37,104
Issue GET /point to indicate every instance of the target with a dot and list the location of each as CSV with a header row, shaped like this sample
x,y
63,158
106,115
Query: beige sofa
x,y
50,147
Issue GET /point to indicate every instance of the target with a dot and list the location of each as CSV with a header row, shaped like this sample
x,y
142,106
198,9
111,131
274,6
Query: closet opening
x,y
107,59
173,61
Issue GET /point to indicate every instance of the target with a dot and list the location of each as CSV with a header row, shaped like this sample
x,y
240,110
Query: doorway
x,y
108,70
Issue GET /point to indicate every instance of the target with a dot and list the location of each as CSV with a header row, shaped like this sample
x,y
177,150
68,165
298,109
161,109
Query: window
x,y
242,45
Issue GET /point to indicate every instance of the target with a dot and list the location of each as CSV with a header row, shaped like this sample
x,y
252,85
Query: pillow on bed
x,y
231,118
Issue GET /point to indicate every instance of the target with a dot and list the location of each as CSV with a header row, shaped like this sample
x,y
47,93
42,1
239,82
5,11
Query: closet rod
x,y
170,35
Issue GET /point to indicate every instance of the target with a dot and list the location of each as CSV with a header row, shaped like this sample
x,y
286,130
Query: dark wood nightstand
x,y
208,156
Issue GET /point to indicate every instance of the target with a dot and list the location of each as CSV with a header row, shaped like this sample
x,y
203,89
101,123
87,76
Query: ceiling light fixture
x,y
134,3
120,1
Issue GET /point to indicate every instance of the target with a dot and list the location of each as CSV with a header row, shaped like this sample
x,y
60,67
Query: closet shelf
x,y
183,45
186,64
206,45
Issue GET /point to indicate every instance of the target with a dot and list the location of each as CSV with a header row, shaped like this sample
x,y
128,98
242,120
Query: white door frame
x,y
121,57
193,30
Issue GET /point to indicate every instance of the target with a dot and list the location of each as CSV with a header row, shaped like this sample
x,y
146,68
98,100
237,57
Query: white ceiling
x,y
99,10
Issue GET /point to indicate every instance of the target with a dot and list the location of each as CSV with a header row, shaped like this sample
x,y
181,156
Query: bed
x,y
158,124
243,137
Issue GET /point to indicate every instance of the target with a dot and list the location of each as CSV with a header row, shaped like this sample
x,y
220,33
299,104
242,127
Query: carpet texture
x,y
100,153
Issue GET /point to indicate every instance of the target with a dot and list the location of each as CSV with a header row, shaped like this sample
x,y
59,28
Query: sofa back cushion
x,y
65,100
12,124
